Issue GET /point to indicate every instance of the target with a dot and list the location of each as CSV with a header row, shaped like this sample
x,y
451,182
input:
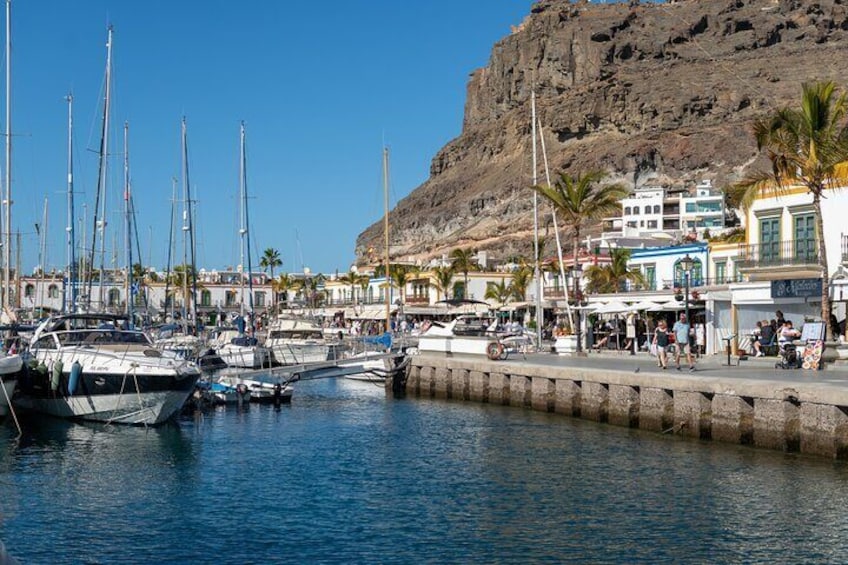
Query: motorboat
x,y
298,341
263,389
472,335
96,367
239,350
173,337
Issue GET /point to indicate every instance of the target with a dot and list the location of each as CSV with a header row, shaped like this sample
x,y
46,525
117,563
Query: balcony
x,y
417,299
782,258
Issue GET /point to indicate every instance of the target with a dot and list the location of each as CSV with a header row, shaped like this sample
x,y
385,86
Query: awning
x,y
614,307
668,305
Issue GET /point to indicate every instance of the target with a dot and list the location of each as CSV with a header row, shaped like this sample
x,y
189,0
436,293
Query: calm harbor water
x,y
344,475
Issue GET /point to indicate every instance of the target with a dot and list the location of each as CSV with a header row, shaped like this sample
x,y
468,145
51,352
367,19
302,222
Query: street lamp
x,y
577,273
686,264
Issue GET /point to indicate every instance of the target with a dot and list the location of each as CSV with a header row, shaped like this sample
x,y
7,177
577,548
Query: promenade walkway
x,y
713,366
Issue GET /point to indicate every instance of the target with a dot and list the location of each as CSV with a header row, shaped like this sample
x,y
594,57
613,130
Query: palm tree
x,y
271,260
499,292
807,146
183,279
521,279
400,276
463,261
352,279
582,199
283,284
613,277
443,278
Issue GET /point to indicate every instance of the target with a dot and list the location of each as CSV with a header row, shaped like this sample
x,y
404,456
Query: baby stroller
x,y
789,357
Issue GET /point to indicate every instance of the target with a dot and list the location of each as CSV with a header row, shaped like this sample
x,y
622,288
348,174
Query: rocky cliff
x,y
656,93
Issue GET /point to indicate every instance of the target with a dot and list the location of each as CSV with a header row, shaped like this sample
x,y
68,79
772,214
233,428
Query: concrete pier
x,y
807,415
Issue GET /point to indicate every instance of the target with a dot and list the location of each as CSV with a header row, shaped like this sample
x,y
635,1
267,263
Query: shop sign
x,y
796,288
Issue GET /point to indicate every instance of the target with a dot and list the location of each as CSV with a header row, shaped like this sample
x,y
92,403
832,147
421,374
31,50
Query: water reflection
x,y
344,475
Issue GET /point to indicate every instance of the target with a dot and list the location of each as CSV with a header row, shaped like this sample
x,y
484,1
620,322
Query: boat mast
x,y
246,230
71,289
185,224
188,228
7,220
536,269
100,201
128,212
386,235
169,302
42,255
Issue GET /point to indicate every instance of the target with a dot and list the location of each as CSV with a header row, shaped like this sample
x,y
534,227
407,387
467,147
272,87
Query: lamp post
x,y
577,273
686,264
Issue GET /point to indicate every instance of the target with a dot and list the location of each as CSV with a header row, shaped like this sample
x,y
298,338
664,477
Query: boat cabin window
x,y
46,342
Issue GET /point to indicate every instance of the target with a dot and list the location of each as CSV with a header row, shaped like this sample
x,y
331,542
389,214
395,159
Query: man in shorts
x,y
681,331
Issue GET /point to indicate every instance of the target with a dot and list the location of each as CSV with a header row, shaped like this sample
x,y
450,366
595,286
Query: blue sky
x,y
320,86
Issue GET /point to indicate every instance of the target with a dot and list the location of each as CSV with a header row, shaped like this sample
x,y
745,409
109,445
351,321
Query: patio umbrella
x,y
614,307
668,305
644,305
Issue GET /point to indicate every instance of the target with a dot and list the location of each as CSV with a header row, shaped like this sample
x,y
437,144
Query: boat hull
x,y
146,408
10,368
300,353
244,357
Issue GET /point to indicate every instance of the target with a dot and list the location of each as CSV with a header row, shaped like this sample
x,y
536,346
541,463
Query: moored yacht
x,y
95,367
297,341
239,350
10,368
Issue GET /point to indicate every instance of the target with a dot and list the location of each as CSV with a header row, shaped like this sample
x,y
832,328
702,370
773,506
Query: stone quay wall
x,y
810,418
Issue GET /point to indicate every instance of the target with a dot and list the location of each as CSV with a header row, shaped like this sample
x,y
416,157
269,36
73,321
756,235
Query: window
x,y
259,299
805,237
641,223
205,298
769,240
652,224
650,277
114,298
627,210
29,290
53,291
230,298
635,210
720,272
656,209
695,274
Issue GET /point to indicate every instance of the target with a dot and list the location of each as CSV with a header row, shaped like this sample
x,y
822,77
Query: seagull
x,y
637,370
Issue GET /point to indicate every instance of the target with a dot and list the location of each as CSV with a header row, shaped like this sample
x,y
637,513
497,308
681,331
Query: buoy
x,y
73,380
494,351
56,375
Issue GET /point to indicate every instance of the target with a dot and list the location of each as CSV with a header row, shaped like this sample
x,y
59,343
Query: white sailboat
x,y
98,366
240,348
11,363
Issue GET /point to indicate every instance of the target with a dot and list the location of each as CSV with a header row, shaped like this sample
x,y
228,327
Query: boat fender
x,y
494,351
56,375
73,380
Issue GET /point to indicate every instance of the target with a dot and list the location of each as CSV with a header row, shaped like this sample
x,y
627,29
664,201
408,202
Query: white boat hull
x,y
244,357
299,353
10,366
147,408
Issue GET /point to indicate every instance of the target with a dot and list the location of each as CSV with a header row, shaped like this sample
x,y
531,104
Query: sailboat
x,y
240,348
98,366
11,364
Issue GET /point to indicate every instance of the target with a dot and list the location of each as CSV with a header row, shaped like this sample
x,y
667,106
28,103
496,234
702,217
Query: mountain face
x,y
651,93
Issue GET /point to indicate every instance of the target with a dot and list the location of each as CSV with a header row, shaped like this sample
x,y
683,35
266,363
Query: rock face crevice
x,y
651,93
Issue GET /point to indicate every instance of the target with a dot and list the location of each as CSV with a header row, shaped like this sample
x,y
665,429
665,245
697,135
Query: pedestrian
x,y
681,331
660,341
778,315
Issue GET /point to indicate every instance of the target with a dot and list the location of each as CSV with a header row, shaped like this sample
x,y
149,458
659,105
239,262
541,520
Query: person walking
x,y
661,342
681,331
